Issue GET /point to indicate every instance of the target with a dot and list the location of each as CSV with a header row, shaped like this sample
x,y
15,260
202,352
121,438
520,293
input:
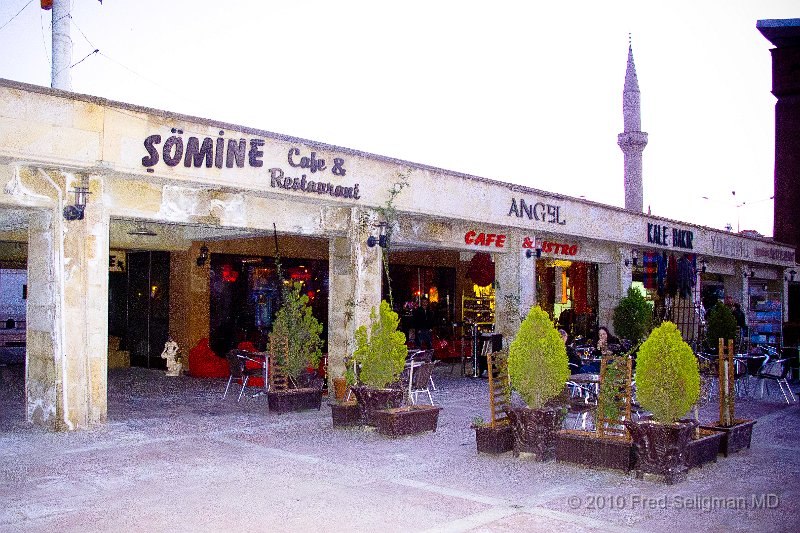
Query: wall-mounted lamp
x,y
530,253
382,240
203,257
75,211
634,258
750,274
703,265
792,274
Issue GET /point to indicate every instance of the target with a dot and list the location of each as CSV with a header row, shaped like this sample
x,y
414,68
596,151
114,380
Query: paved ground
x,y
175,457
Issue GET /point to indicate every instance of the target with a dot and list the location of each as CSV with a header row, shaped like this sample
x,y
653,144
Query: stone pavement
x,y
175,457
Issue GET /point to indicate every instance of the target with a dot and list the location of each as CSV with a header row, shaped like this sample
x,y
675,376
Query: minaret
x,y
632,141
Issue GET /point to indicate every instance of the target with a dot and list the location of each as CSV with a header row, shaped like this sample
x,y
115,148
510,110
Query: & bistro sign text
x,y
229,153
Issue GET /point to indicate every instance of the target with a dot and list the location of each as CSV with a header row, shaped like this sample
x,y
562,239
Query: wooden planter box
x,y
294,400
345,414
499,439
734,438
589,449
661,449
705,449
408,420
370,401
535,430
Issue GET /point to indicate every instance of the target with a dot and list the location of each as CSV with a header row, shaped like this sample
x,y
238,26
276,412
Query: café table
x,y
587,381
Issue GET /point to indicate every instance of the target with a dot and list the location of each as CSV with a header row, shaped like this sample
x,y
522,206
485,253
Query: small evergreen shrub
x,y
633,317
667,375
720,324
382,353
296,328
537,360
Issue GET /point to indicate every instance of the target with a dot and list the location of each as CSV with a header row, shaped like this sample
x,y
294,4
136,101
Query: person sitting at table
x,y
574,361
604,341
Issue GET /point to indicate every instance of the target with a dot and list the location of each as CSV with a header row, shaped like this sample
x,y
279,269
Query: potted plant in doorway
x,y
667,385
538,370
295,346
380,356
633,317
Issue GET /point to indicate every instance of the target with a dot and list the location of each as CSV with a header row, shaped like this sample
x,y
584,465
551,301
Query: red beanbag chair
x,y
204,363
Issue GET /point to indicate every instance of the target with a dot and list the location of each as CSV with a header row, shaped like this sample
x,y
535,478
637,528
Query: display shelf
x,y
765,314
478,311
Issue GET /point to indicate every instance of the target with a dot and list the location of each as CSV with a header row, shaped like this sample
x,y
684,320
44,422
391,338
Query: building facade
x,y
208,189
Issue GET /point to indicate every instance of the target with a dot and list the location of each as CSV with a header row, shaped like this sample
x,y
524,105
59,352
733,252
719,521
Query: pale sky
x,y
518,91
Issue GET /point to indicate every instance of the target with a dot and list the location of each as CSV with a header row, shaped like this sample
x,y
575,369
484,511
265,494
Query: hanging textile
x,y
662,273
686,276
578,281
650,270
481,269
547,288
672,276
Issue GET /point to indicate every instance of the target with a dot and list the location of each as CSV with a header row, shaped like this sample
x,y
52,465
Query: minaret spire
x,y
632,141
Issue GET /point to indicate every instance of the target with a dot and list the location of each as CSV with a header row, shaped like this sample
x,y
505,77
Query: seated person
x,y
605,341
572,356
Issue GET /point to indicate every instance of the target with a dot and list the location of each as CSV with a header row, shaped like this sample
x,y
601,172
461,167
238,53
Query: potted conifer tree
x,y
633,317
380,356
538,370
667,385
295,346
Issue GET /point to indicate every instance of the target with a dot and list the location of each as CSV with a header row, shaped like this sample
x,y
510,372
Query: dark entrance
x,y
139,307
245,295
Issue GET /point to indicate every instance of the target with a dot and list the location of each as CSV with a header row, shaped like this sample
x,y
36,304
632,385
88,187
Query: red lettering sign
x,y
553,247
485,239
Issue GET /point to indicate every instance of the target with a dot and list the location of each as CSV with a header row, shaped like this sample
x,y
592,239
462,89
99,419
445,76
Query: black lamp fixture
x,y
203,257
75,211
750,274
382,240
530,253
532,248
792,274
703,265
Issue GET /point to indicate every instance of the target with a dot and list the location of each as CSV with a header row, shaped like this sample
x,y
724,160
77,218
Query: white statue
x,y
170,353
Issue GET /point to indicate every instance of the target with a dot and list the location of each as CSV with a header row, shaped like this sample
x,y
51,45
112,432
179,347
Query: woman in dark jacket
x,y
572,356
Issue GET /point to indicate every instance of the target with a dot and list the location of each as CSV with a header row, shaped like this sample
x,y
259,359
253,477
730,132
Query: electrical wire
x,y
15,16
47,55
80,30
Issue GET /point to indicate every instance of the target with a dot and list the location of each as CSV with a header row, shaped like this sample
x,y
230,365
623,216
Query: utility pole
x,y
60,77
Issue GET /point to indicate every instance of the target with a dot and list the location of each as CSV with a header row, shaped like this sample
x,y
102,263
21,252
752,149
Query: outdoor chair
x,y
418,377
424,356
237,362
776,370
582,403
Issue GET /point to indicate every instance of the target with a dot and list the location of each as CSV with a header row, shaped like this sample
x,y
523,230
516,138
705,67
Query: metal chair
x,y
776,370
582,403
237,363
423,356
419,379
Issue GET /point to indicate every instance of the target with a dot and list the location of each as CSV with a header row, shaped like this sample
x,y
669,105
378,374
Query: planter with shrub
x,y
538,370
294,345
380,357
667,385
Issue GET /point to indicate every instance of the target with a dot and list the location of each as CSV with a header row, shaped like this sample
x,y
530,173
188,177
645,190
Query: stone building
x,y
183,216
